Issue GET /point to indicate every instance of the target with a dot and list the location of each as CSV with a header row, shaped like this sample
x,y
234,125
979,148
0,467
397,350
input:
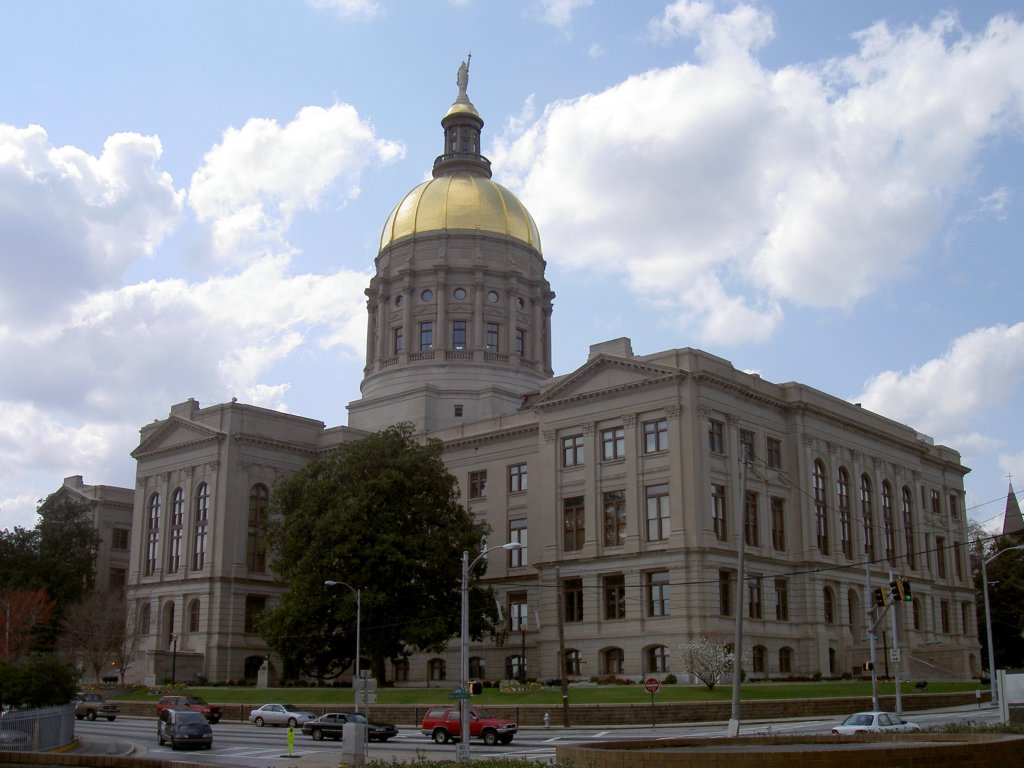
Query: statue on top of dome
x,y
462,78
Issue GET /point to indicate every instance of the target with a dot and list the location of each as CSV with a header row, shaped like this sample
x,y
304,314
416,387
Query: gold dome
x,y
461,201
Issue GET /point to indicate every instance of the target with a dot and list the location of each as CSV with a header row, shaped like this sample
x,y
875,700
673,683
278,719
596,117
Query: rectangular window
x,y
491,334
773,452
615,597
572,451
747,444
397,340
944,616
573,523
754,596
118,579
119,538
517,533
778,524
781,600
718,511
658,523
478,484
613,443
724,593
954,506
655,436
614,503
458,334
426,336
958,567
751,531
936,503
658,594
965,618
716,436
940,556
518,612
255,605
573,599
516,478
520,341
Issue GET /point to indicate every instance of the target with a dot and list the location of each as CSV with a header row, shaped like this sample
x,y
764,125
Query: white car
x,y
279,714
874,722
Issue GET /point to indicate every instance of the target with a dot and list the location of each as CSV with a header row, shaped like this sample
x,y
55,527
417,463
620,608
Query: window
x,y
478,484
655,436
119,538
492,297
193,616
916,606
657,659
573,523
199,523
144,615
724,593
572,451
426,336
781,600
427,295
832,661
457,410
954,506
459,294
845,513
612,661
716,437
458,334
965,617
828,600
517,478
751,532
908,527
820,507
658,523
940,556
491,337
754,596
152,534
773,452
117,579
614,503
436,670
177,530
517,612
255,605
517,534
615,597
888,533
748,452
958,567
785,660
944,616
718,511
658,594
757,659
397,340
936,504
573,599
613,444
259,499
779,523
515,668
520,341
572,661
867,516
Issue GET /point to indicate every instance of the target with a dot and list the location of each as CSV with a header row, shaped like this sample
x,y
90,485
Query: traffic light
x,y
905,584
897,590
879,595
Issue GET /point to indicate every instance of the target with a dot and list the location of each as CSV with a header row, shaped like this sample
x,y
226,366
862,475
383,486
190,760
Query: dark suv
x,y
195,703
183,728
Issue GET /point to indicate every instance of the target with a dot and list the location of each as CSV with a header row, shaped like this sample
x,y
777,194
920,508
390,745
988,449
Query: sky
x,y
192,195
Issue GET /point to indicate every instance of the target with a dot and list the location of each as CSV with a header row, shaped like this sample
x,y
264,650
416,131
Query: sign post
x,y
652,685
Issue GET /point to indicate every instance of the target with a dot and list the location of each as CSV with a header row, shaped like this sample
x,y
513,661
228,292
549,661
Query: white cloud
x,y
595,51
363,10
558,13
796,185
252,184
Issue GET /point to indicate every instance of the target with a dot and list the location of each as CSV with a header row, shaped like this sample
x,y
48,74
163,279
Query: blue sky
x,y
192,194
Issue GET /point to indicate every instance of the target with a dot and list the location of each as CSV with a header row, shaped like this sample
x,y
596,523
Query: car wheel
x,y
259,722
440,736
90,715
111,719
317,734
79,717
490,738
159,737
174,744
505,739
214,720
292,722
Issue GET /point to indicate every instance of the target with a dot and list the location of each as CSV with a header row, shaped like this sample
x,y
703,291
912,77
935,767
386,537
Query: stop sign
x,y
652,685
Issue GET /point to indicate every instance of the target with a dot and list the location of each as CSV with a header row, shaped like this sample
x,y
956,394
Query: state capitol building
x,y
623,480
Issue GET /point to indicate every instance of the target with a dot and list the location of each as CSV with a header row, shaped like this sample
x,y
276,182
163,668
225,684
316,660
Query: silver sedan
x,y
874,722
279,714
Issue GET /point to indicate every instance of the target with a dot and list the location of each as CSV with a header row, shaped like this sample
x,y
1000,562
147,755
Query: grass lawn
x,y
599,694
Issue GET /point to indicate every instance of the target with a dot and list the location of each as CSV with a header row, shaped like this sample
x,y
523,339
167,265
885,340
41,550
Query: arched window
x,y
845,513
259,499
888,525
785,660
657,659
829,605
908,526
193,616
820,507
152,533
612,661
144,619
867,515
436,670
177,531
758,656
200,520
573,663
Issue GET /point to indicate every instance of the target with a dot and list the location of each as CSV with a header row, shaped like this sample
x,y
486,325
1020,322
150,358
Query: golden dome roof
x,y
461,201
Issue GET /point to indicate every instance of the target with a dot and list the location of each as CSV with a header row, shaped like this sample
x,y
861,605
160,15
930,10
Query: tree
x,y
94,631
707,661
40,681
22,611
382,515
1006,602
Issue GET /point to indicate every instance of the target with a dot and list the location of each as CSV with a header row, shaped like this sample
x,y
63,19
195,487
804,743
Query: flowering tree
x,y
707,661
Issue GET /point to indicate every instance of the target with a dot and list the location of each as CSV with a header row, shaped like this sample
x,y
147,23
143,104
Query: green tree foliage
x,y
1006,600
382,515
40,681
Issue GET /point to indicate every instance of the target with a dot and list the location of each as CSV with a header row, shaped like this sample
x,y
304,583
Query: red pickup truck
x,y
442,724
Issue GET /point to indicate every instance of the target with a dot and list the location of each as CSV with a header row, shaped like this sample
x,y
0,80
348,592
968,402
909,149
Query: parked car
x,y
874,722
332,724
92,705
442,724
279,714
194,703
183,728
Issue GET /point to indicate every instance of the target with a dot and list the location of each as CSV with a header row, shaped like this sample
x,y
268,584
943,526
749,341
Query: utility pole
x,y
737,647
560,591
896,647
869,601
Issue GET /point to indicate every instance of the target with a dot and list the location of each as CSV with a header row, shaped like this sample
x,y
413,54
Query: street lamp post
x,y
359,648
988,621
462,753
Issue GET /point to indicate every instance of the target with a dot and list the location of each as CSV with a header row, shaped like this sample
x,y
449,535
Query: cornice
x,y
490,437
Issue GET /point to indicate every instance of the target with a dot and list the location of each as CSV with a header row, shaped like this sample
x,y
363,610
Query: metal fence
x,y
37,730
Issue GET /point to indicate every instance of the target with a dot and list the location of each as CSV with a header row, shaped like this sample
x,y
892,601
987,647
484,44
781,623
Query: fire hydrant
x,y
547,719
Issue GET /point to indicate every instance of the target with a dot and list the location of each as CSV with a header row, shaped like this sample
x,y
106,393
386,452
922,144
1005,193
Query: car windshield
x,y
190,718
858,720
355,718
290,708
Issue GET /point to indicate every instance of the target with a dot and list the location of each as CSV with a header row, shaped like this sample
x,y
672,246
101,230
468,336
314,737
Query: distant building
x,y
1012,520
624,481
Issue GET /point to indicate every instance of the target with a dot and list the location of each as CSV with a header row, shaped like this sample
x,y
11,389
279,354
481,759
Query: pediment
x,y
176,433
605,376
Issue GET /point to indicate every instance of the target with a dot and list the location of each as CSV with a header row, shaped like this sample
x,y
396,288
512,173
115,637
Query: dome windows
x,y
427,295
399,300
459,294
492,296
